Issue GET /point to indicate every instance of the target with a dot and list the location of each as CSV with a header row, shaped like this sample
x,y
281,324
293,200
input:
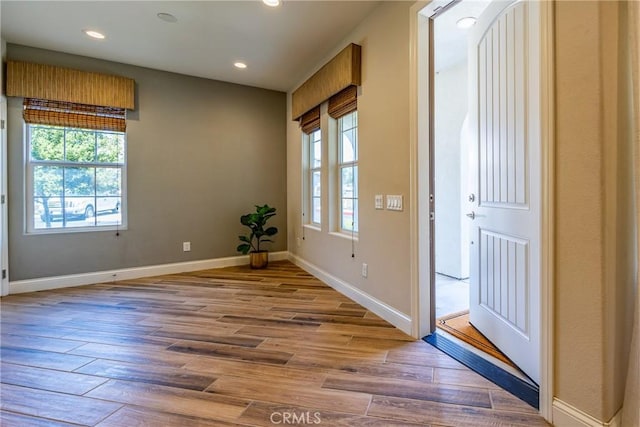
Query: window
x,y
315,176
75,178
348,172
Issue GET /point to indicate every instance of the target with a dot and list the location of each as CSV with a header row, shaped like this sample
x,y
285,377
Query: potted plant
x,y
256,221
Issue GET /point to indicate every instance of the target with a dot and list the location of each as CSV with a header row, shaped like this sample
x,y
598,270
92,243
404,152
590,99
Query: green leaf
x,y
244,248
271,231
244,239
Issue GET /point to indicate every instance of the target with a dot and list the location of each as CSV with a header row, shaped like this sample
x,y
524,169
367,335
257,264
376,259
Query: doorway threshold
x,y
519,386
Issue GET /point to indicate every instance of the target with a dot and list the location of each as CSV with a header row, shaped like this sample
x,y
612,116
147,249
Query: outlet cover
x,y
365,269
186,246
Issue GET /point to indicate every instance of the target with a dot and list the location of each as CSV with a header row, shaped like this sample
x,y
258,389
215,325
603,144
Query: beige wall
x,y
200,154
383,108
594,269
595,248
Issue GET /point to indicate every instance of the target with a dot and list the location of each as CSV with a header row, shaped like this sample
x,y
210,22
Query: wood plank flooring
x,y
228,347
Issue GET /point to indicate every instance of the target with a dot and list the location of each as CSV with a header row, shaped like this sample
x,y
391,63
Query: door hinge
x,y
2,199
432,216
1,124
4,273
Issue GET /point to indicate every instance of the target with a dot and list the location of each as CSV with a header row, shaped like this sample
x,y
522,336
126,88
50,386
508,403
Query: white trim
x,y
565,415
418,155
45,283
388,313
547,132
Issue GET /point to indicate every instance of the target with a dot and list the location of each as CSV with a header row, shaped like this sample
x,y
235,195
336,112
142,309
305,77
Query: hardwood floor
x,y
228,347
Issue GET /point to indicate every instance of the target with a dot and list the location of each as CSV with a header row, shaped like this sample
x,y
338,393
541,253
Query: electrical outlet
x,y
186,246
298,242
365,269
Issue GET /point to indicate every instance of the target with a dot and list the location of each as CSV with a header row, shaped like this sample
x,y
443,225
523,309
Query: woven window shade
x,y
39,81
310,121
344,102
69,114
337,74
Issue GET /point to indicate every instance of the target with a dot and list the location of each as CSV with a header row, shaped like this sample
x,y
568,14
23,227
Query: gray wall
x,y
200,154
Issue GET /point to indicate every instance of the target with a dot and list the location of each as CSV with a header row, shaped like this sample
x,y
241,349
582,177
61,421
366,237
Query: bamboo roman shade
x,y
38,81
344,102
339,73
310,121
58,113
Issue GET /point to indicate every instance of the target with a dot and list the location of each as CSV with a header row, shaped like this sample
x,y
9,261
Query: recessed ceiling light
x,y
239,64
94,34
271,3
466,22
167,17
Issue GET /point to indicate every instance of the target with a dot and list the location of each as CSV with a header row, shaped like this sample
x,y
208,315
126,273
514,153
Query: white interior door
x,y
504,208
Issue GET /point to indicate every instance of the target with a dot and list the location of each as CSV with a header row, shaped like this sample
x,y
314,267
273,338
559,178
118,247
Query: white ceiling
x,y
451,41
278,44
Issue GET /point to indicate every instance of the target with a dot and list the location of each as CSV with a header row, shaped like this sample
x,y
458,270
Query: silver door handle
x,y
472,215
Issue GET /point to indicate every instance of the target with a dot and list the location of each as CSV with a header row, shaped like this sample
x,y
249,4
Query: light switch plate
x,y
379,201
394,202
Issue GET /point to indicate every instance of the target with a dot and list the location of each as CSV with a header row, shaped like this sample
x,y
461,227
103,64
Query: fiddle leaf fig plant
x,y
260,233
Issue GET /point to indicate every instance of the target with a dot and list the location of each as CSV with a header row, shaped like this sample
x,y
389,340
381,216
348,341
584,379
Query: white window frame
x,y
29,185
314,137
341,165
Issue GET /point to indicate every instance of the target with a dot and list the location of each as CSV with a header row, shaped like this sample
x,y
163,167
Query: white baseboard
x,y
45,283
388,313
565,415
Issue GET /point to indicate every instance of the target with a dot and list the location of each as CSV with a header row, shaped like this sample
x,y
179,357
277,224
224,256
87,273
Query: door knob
x,y
472,215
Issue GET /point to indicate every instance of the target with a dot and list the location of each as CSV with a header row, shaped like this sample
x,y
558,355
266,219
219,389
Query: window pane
x,y
47,143
346,182
47,181
355,181
355,216
81,146
316,154
79,182
110,147
348,121
79,211
316,185
349,153
108,181
316,211
347,214
108,211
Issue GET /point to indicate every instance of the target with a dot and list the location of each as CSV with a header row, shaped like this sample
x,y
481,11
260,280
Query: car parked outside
x,y
79,207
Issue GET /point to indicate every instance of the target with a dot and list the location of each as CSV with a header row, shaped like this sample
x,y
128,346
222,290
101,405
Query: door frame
x,y
423,305
4,236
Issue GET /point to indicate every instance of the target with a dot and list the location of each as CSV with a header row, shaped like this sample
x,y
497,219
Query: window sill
x,y
344,235
312,227
46,231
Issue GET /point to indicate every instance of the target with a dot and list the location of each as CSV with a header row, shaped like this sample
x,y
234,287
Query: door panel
x,y
504,282
504,112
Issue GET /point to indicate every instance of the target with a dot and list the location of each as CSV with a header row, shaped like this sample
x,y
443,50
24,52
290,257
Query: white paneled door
x,y
504,200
